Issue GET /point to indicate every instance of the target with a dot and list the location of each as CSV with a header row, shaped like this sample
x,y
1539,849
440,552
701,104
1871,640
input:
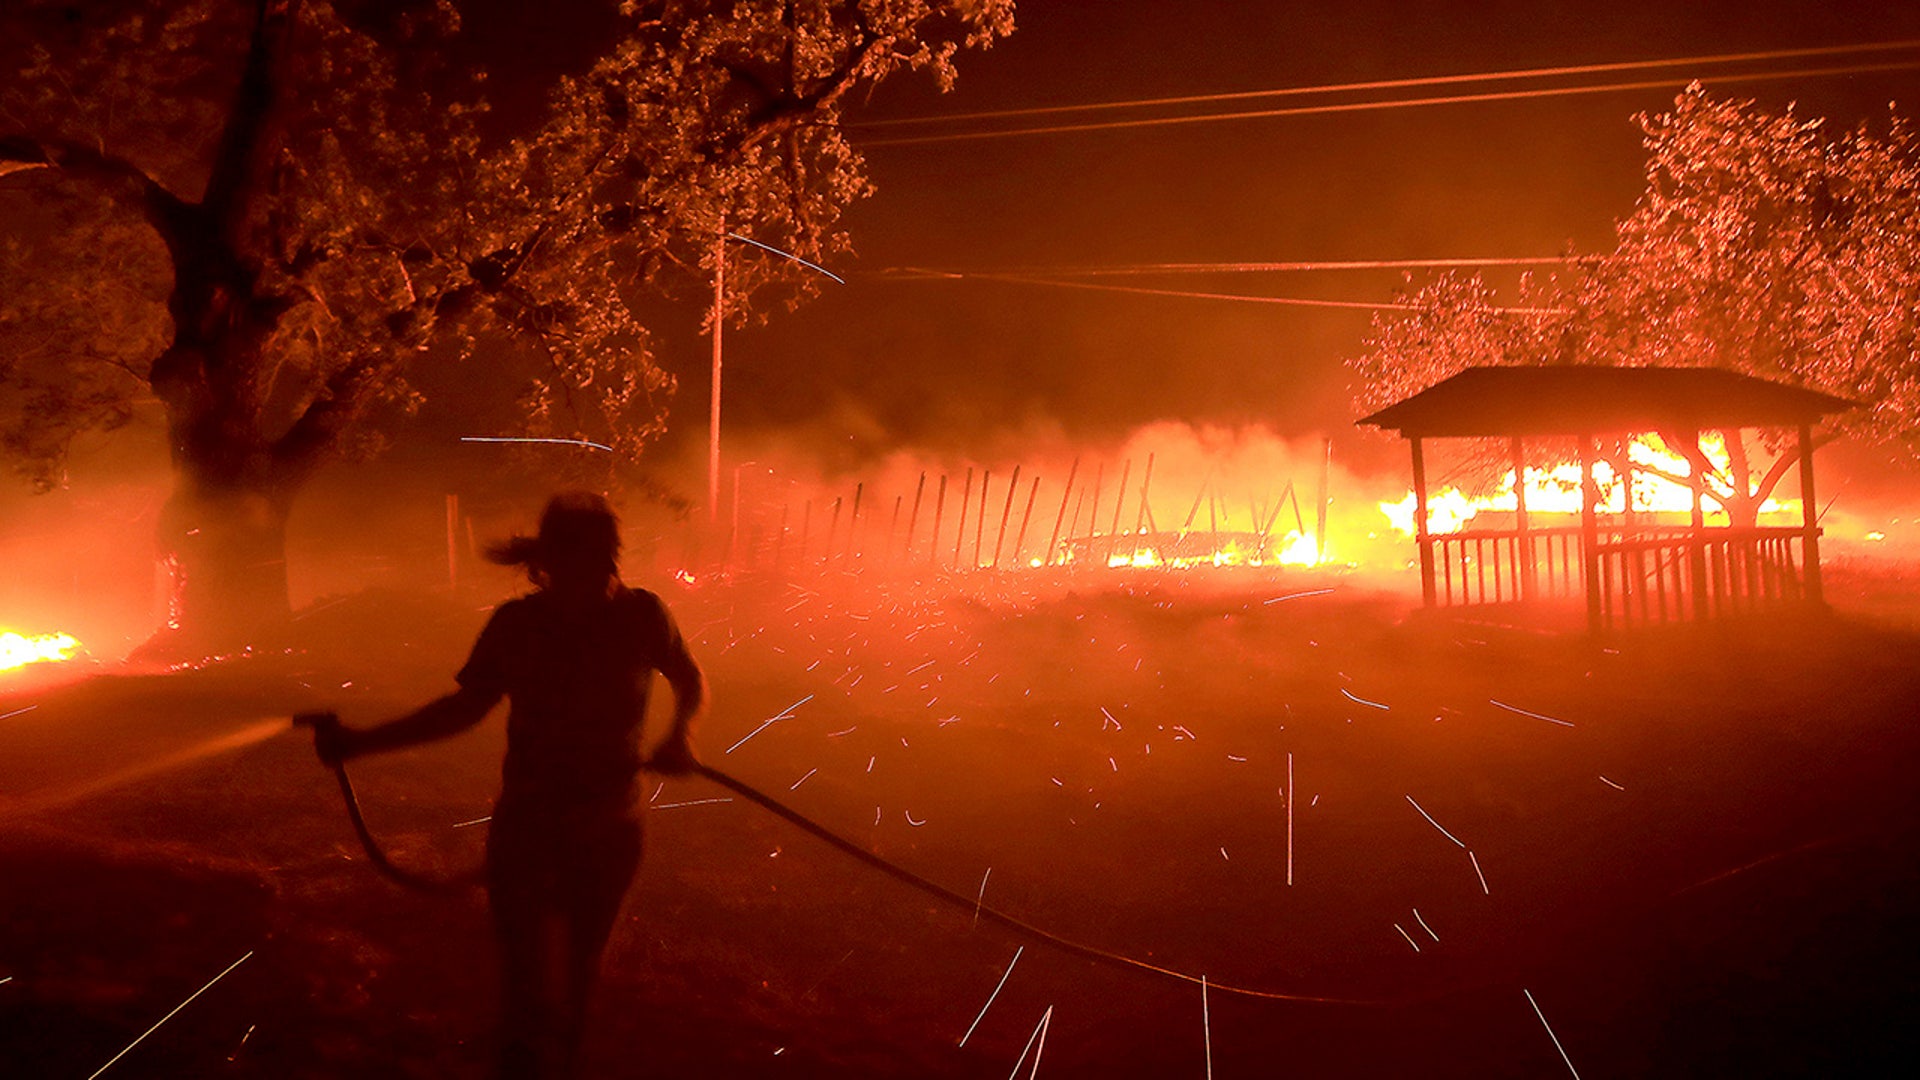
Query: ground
x,y
1686,852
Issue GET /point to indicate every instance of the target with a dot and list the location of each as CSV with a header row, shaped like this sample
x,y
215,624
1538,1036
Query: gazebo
x,y
1628,570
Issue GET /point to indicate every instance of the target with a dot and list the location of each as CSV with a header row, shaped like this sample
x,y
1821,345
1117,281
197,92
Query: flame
x,y
18,650
1296,549
1555,489
1301,549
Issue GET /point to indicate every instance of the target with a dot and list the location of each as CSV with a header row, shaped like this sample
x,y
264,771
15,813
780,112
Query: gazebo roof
x,y
1576,400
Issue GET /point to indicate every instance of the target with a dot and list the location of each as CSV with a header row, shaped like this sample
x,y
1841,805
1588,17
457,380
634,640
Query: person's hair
x,y
579,532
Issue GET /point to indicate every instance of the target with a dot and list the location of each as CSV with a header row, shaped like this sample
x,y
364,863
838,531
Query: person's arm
x,y
439,718
689,684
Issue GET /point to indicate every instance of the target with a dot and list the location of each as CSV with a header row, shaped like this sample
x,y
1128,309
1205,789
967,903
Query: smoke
x,y
79,559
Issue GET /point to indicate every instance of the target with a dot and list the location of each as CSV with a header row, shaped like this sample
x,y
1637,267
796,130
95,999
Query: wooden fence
x,y
981,519
1645,575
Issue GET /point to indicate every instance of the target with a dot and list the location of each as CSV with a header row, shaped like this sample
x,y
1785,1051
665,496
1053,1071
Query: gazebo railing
x,y
1496,566
1645,573
1727,571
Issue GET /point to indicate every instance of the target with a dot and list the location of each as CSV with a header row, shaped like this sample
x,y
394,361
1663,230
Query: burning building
x,y
1638,432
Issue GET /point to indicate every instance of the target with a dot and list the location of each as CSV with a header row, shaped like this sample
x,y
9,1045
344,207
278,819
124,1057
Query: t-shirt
x,y
577,681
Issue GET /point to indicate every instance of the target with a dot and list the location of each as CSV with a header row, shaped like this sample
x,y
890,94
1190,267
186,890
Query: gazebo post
x,y
1589,532
1523,557
1421,538
1697,543
1809,518
1632,572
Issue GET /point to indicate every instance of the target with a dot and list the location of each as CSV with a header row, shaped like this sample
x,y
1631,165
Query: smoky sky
x,y
879,363
942,364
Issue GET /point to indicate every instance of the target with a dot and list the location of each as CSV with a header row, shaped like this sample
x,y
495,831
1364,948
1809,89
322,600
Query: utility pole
x,y
719,319
713,416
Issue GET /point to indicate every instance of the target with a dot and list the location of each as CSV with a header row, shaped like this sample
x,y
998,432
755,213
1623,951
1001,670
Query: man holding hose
x,y
575,659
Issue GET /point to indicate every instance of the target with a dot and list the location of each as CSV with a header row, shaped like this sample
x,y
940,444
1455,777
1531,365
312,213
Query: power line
x,y
1389,103
1403,84
911,273
1285,301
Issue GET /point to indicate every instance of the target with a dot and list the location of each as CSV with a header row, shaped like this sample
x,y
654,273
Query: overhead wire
x,y
1403,84
1285,301
1048,277
915,273
1382,104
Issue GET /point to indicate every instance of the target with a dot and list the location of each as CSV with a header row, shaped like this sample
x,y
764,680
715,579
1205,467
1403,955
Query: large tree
x,y
1764,243
315,202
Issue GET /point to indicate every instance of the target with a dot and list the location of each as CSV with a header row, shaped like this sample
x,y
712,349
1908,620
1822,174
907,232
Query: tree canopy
x,y
262,214
1763,243
312,171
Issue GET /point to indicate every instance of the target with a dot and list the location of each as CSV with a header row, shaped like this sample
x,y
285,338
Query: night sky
x,y
981,370
949,366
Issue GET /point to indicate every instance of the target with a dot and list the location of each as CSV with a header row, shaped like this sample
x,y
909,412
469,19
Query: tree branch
x,y
520,313
1669,475
1737,465
129,184
789,109
1710,473
1778,470
237,159
317,430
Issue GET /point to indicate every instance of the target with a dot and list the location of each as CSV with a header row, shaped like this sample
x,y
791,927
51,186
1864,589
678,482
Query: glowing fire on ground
x,y
18,650
1296,549
1556,490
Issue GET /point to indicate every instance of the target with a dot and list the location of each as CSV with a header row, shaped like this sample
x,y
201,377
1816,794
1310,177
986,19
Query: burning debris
x,y
1170,497
18,650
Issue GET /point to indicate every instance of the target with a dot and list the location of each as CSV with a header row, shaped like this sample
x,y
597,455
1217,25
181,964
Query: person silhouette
x,y
575,660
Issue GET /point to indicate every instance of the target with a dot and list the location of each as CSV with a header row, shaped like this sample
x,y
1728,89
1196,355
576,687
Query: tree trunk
x,y
1743,506
222,533
224,546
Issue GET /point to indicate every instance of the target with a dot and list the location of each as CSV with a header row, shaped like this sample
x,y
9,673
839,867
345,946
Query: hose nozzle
x,y
318,721
329,736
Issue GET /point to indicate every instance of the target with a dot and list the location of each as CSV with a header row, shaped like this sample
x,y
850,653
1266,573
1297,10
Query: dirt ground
x,y
1682,853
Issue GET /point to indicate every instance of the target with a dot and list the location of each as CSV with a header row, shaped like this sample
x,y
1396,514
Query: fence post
x,y
1059,518
1027,515
1012,486
1809,519
939,510
1421,538
453,558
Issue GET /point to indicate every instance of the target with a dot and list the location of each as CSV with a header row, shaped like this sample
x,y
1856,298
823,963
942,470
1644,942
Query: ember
x,y
1066,414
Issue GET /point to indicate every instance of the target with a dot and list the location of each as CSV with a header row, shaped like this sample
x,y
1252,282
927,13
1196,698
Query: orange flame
x,y
1555,489
18,650
1296,549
